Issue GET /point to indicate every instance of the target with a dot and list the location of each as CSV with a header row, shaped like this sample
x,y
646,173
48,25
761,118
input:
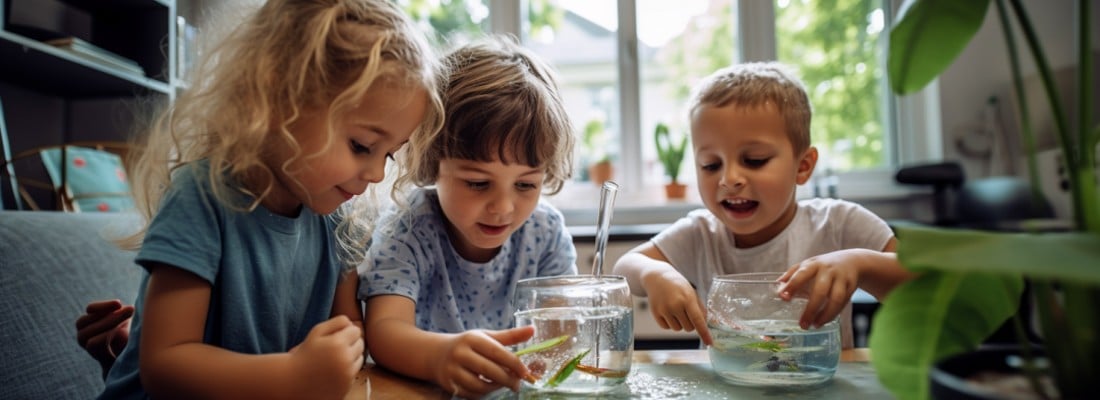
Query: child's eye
x,y
524,186
756,162
477,185
710,167
358,148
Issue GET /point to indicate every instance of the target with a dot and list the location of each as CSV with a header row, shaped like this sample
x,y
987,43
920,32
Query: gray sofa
x,y
51,265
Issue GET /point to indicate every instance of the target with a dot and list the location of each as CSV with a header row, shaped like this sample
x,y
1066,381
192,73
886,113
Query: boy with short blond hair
x,y
750,131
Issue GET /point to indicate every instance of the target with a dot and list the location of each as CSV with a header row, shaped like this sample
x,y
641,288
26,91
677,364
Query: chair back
x,y
80,177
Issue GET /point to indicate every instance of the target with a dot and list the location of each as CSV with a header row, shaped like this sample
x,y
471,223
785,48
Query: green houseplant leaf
x,y
669,152
950,322
1062,268
593,141
971,283
1067,256
928,37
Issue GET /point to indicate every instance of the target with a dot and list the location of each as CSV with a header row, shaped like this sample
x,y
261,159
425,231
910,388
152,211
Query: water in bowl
x,y
606,333
775,353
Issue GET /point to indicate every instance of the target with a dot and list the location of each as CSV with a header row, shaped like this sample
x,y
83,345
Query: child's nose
x,y
732,178
501,203
374,171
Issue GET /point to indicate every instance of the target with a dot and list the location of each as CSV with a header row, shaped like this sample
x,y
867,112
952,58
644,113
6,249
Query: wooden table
x,y
853,379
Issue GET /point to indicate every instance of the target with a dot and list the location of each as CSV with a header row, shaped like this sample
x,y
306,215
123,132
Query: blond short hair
x,y
755,84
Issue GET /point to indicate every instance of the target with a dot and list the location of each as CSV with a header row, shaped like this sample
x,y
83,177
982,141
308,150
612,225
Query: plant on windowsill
x,y
600,168
671,155
970,282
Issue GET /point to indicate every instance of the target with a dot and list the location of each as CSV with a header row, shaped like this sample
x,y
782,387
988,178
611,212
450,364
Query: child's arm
x,y
176,363
347,302
468,364
103,330
674,302
828,280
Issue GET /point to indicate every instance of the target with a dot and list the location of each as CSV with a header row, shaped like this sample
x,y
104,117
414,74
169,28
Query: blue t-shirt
x,y
272,278
413,257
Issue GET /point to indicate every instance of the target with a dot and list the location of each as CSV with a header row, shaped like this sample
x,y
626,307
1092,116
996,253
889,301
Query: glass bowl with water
x,y
757,339
588,322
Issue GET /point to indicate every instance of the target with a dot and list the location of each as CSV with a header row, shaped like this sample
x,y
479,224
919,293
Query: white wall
x,y
983,70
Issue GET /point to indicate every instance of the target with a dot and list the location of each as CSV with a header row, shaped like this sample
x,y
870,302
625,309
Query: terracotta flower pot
x,y
675,190
601,172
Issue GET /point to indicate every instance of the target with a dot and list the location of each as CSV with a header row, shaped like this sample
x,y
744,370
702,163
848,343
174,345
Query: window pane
x,y
679,43
838,47
578,37
449,22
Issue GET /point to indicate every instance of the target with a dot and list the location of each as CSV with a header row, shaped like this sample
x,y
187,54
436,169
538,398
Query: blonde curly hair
x,y
287,58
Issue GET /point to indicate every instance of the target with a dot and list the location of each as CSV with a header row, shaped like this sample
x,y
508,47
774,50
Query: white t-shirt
x,y
700,246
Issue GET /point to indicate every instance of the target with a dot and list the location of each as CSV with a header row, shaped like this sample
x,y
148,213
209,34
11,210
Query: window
x,y
449,22
844,76
627,65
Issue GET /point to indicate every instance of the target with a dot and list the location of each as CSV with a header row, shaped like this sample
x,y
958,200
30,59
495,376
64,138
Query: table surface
x,y
656,374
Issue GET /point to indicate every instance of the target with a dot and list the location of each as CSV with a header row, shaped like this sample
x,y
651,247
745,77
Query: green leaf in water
x,y
566,370
767,345
543,345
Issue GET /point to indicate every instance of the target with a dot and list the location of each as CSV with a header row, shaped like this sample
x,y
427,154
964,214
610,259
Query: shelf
x,y
97,5
42,67
80,90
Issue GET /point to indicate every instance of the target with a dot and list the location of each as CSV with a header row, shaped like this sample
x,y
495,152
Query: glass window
x,y
449,22
838,50
616,99
679,43
580,39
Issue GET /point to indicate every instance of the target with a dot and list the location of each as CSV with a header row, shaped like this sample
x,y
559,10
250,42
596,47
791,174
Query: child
x,y
750,129
250,291
104,330
439,278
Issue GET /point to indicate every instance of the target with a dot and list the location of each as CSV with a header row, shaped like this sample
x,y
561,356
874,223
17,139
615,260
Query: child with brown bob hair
x,y
439,277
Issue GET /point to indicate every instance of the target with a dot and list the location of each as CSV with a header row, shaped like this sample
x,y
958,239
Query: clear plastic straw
x,y
603,224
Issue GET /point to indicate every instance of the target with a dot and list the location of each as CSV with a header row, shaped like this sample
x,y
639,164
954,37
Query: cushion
x,y
53,264
96,179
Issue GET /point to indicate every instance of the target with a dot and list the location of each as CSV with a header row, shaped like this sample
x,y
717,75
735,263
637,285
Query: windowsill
x,y
638,212
642,212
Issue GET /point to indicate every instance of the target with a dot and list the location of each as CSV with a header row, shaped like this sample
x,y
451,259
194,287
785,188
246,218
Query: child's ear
x,y
806,165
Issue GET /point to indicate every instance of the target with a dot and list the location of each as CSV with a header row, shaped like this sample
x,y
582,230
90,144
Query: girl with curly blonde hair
x,y
249,291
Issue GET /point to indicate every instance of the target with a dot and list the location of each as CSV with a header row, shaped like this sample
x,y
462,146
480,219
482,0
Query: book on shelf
x,y
96,54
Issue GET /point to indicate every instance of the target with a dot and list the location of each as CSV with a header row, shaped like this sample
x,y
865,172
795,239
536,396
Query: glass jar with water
x,y
757,339
584,332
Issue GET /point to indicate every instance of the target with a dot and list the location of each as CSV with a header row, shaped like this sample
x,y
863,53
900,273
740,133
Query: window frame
x,y
914,134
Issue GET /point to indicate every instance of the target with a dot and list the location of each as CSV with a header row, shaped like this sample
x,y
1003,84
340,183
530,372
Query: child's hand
x,y
675,305
827,281
477,362
329,358
104,329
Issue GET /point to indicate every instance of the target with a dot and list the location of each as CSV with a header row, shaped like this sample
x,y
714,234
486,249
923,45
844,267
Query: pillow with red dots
x,y
97,179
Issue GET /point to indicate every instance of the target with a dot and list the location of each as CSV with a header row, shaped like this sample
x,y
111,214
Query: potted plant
x,y
671,155
970,282
599,164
